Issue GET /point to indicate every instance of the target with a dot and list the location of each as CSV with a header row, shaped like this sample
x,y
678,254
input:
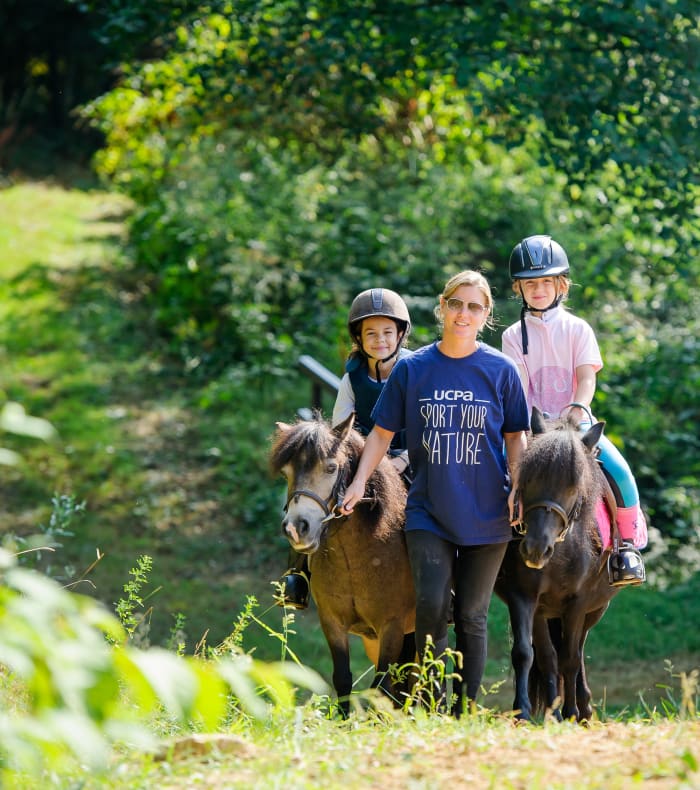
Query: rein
x,y
552,507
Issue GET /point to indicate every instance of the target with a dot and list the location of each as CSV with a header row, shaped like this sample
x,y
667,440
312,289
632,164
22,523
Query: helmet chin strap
x,y
386,359
527,309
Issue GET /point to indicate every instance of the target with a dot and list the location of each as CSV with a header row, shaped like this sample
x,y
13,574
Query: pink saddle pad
x,y
602,515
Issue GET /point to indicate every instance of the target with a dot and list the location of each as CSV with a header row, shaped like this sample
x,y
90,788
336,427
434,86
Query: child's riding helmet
x,y
537,256
378,302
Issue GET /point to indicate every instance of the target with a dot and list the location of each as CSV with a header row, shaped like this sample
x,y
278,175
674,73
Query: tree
x,y
595,82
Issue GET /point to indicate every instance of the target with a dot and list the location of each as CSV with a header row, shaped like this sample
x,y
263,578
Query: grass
x,y
423,754
170,465
300,748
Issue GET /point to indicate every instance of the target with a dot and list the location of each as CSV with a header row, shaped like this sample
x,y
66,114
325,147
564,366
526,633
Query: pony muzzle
x,y
537,566
535,557
290,532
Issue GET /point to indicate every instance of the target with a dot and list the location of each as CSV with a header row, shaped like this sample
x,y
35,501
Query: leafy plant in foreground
x,y
85,689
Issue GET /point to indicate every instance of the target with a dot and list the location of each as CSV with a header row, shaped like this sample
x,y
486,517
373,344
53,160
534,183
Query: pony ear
x,y
592,435
537,422
343,429
282,427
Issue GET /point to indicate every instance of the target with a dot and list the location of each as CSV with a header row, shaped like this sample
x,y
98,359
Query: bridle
x,y
332,505
552,507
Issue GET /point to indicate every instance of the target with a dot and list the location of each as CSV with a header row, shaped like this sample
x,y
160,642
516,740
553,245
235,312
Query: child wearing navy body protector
x,y
379,324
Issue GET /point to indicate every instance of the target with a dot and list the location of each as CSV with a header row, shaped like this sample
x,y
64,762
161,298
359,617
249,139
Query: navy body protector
x,y
367,391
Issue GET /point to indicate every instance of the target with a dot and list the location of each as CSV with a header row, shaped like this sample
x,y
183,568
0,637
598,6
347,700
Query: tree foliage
x,y
614,81
283,155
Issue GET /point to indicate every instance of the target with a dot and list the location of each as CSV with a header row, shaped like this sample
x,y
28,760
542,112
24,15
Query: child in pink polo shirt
x,y
558,357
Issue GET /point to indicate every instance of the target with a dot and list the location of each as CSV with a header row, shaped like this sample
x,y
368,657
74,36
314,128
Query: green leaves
x,y
14,419
80,694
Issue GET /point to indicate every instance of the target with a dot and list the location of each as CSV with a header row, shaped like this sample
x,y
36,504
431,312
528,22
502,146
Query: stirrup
x,y
295,594
626,566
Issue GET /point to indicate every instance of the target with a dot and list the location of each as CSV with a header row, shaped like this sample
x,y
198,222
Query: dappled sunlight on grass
x,y
56,226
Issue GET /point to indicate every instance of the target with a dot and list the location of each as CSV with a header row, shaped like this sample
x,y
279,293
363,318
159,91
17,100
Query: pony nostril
x,y
303,526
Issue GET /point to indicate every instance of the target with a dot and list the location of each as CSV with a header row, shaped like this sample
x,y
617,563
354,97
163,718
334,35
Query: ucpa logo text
x,y
465,395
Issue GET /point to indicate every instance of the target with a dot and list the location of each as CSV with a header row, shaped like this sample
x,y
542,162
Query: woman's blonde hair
x,y
467,277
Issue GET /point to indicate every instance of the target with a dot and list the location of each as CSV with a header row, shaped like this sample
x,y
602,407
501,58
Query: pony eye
x,y
331,467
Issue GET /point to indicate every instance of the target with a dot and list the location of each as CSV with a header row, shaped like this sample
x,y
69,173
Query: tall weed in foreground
x,y
682,702
135,624
85,689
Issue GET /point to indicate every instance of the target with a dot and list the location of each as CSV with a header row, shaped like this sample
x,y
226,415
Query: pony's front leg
x,y
547,663
339,645
522,653
570,663
391,650
583,691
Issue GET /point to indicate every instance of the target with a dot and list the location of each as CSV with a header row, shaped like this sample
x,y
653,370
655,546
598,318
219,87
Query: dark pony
x,y
360,576
554,577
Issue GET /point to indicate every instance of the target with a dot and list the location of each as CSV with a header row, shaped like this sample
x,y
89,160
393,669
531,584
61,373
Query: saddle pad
x,y
602,515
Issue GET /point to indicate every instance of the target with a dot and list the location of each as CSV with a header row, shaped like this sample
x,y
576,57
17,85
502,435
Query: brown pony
x,y
360,575
554,577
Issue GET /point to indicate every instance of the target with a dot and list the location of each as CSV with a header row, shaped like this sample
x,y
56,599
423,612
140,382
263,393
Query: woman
x,y
458,400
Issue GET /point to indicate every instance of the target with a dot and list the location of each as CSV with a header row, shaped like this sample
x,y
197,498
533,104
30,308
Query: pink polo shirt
x,y
558,343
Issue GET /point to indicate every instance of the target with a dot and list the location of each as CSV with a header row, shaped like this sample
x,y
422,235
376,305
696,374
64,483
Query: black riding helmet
x,y
537,256
532,258
379,302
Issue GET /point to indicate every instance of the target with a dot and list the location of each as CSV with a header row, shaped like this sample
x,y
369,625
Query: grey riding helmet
x,y
532,258
378,302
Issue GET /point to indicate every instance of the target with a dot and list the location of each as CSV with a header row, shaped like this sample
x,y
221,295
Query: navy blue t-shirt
x,y
455,412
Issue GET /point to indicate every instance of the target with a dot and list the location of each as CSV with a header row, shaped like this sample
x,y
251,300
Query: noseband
x,y
552,507
332,505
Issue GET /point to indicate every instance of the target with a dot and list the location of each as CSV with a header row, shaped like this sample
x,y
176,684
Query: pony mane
x,y
306,442
303,444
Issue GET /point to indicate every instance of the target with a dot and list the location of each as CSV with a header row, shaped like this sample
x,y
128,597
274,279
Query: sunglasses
x,y
457,305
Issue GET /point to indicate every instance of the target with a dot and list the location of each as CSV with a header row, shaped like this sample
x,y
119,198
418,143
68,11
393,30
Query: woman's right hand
x,y
353,494
374,450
